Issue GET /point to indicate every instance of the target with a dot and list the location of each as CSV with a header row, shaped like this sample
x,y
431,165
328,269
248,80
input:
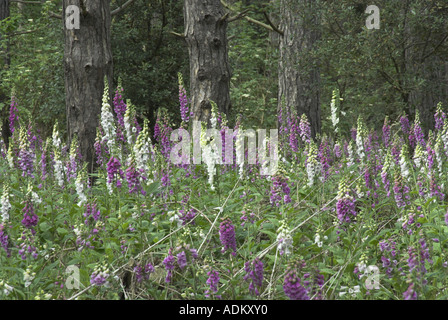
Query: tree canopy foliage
x,y
377,72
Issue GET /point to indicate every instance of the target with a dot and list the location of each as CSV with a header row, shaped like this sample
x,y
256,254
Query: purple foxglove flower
x,y
119,106
133,178
30,219
254,274
4,241
182,260
183,101
143,273
292,286
26,158
305,129
98,279
293,134
410,293
91,211
280,191
212,281
405,126
114,168
345,209
227,236
169,266
446,218
353,133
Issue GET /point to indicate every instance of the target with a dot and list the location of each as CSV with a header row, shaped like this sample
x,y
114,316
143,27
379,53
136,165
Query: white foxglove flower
x,y
56,140
7,289
59,171
107,119
176,219
284,240
403,163
312,165
317,240
334,111
419,156
28,277
128,118
80,190
143,149
239,145
360,140
35,198
351,158
210,154
5,204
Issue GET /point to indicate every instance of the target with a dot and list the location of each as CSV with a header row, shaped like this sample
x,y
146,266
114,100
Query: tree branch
x,y
251,20
54,15
121,8
180,35
238,16
28,2
276,29
435,49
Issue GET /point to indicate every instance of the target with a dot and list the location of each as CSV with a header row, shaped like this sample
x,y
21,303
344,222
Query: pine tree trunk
x,y
4,14
206,36
299,80
4,97
87,60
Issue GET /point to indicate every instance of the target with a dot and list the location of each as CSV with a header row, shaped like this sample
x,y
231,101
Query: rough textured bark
x,y
4,98
4,14
87,60
299,80
206,36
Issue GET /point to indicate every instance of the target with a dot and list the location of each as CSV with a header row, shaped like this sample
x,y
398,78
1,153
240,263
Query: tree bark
x,y
206,37
299,78
4,14
4,97
87,60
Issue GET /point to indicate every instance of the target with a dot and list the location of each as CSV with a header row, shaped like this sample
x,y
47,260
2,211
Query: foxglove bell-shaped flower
x,y
345,206
183,100
227,236
212,282
254,274
5,204
284,239
305,129
292,285
107,119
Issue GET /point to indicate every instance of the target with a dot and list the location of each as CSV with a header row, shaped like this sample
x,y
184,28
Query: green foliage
x,y
147,57
254,61
36,73
377,71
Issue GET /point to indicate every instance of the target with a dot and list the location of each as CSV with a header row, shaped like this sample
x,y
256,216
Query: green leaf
x,y
44,226
61,231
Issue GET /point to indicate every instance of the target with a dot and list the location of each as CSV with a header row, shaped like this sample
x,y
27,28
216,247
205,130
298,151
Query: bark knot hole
x,y
216,42
202,74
